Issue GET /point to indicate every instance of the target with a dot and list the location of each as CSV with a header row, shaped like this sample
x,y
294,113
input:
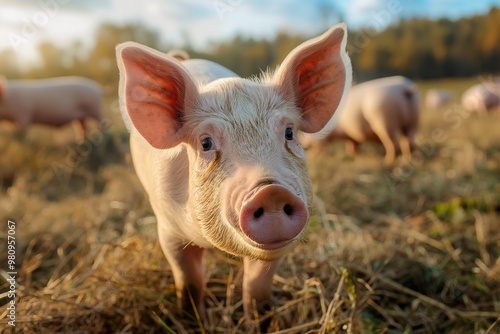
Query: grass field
x,y
412,248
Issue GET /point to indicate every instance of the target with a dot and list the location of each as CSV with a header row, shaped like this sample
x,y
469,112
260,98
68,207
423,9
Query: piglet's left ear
x,y
317,76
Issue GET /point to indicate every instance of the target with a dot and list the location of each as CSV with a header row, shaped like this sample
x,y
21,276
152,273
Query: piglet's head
x,y
249,189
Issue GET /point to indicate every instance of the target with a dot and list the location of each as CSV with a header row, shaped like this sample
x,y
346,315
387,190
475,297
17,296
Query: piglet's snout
x,y
273,216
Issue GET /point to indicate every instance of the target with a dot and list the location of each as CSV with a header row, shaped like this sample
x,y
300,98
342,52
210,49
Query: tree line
x,y
417,48
425,49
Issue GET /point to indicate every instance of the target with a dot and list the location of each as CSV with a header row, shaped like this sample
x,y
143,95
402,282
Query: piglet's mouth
x,y
272,216
275,245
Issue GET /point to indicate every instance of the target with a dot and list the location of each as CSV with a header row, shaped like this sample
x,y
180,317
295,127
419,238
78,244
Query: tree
x,y
101,61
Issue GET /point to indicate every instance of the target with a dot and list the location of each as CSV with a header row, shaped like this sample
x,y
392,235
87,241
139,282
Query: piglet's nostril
x,y
258,213
288,209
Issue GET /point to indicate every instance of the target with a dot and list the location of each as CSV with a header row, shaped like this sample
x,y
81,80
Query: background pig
x,y
383,110
438,98
178,54
218,155
482,97
54,102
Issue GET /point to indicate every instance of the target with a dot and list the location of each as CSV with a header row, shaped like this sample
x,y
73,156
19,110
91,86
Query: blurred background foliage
x,y
417,48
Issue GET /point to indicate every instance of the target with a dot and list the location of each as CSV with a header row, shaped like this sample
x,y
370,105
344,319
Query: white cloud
x,y
24,27
375,14
362,6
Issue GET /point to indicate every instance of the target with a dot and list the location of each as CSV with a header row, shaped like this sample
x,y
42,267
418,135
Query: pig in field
x,y
438,98
482,97
55,102
219,159
178,54
382,110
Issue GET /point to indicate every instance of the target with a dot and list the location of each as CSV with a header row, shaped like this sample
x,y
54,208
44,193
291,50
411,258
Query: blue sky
x,y
24,23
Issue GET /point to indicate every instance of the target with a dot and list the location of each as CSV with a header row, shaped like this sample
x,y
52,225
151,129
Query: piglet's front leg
x,y
188,269
257,288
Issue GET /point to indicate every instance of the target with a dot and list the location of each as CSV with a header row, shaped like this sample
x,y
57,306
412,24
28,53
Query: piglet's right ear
x,y
155,92
317,76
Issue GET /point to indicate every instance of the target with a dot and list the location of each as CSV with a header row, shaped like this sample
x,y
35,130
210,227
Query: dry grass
x,y
409,249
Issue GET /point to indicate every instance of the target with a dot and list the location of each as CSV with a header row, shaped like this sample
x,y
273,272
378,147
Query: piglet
x,y
55,102
219,158
482,97
381,110
438,98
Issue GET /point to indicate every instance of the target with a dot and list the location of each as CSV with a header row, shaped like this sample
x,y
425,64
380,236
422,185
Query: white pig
x,y
178,54
438,98
55,102
382,110
218,155
482,97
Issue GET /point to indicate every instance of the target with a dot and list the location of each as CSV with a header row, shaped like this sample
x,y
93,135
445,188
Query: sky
x,y
24,23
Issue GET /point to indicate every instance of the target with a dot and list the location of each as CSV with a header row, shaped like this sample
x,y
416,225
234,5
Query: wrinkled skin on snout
x,y
219,158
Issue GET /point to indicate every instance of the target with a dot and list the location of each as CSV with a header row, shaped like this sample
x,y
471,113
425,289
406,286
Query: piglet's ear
x,y
155,92
317,76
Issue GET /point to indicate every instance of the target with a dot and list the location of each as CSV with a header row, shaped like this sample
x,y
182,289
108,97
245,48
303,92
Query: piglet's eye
x,y
207,144
289,134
